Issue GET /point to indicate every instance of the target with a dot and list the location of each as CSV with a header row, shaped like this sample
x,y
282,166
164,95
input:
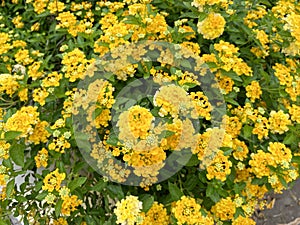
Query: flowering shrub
x,y
147,112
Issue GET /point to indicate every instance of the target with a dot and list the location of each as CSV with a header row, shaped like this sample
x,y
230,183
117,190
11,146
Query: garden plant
x,y
147,111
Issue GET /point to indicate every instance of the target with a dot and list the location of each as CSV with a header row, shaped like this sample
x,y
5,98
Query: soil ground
x,y
286,210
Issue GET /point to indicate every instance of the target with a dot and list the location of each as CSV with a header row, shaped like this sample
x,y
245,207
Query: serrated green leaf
x,y
112,140
296,159
11,135
290,139
147,202
260,181
21,199
79,166
132,20
41,196
239,211
232,75
212,193
166,134
175,192
82,141
80,41
211,65
189,85
99,186
238,187
17,154
57,207
189,15
115,191
97,112
191,182
210,190
193,161
89,220
186,64
202,177
266,2
231,101
7,163
77,182
38,186
265,75
283,181
226,151
247,131
223,193
10,187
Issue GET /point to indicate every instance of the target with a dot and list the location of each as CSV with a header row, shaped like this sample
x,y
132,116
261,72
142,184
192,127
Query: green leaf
x,y
112,139
11,135
8,114
223,192
189,85
227,151
97,112
3,222
21,199
99,186
58,207
82,141
189,15
191,182
266,2
7,163
17,154
232,75
290,139
296,159
186,64
283,181
260,181
147,202
76,183
193,161
175,192
70,44
132,20
202,176
79,166
183,159
61,166
80,41
210,190
38,186
44,14
211,65
239,211
265,75
166,134
238,187
212,193
41,196
89,220
247,131
231,101
115,191
10,187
